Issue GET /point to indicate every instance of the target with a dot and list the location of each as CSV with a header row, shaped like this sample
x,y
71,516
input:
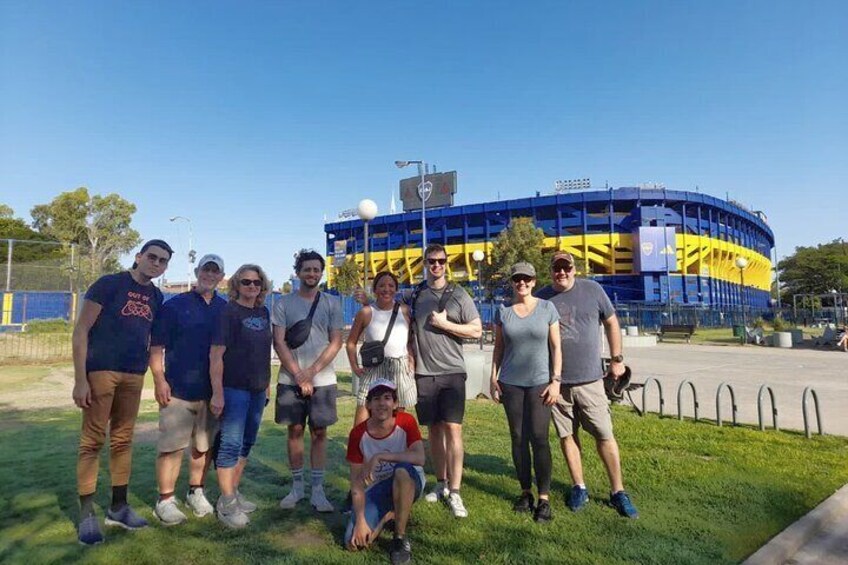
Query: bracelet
x,y
556,379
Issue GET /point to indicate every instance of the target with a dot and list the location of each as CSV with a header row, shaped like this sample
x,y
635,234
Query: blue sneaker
x,y
621,502
126,518
577,498
89,532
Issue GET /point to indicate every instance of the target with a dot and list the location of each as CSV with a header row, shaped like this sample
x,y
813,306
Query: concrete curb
x,y
786,544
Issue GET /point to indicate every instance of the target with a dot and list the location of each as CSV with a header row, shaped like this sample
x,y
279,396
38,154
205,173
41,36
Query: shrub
x,y
780,324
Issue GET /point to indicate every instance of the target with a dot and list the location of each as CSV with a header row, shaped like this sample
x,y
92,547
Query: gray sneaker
x,y
291,499
319,500
198,503
246,506
456,505
230,514
168,512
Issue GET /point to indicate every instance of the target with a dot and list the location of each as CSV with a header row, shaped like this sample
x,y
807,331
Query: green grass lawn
x,y
706,495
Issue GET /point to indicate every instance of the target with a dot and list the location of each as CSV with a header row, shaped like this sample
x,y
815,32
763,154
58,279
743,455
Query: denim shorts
x,y
239,425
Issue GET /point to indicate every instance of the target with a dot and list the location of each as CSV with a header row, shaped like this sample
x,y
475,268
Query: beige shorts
x,y
186,422
590,403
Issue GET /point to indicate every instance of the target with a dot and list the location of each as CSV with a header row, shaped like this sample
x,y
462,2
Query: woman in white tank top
x,y
371,323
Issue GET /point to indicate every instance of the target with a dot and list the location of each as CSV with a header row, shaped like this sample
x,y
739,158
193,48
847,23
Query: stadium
x,y
643,245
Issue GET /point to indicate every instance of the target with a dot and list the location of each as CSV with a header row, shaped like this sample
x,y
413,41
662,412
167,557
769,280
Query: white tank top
x,y
376,331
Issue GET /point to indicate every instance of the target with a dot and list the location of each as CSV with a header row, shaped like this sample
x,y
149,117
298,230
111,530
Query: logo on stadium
x,y
647,247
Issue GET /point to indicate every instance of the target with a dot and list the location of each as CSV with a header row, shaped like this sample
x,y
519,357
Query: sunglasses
x,y
439,261
521,278
564,267
153,258
210,268
248,282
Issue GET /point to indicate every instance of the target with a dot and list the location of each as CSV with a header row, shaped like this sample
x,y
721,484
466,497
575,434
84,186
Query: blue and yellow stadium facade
x,y
601,229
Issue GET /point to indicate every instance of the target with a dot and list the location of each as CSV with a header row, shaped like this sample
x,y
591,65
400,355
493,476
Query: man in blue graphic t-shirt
x,y
110,348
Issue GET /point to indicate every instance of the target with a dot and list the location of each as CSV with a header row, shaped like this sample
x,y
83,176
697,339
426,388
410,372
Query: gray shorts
x,y
186,422
292,408
583,405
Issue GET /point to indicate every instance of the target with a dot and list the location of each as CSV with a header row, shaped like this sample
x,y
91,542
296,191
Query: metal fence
x,y
38,265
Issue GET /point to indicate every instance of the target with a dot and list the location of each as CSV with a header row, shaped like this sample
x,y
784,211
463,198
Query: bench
x,y
686,330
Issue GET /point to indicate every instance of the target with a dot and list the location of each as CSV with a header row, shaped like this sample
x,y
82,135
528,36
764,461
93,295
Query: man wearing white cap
x,y
179,360
386,458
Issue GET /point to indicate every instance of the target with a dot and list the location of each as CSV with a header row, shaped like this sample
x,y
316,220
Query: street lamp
x,y
191,252
742,264
424,191
478,256
367,211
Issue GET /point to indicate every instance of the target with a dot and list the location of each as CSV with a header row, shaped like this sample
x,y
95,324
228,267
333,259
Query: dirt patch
x,y
303,537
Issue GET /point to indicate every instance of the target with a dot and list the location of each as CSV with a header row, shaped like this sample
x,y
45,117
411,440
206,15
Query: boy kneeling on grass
x,y
386,458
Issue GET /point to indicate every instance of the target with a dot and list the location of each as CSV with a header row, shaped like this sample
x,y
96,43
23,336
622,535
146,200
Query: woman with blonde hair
x,y
387,320
240,370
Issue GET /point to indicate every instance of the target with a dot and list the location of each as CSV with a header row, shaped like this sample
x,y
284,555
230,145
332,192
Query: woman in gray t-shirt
x,y
527,347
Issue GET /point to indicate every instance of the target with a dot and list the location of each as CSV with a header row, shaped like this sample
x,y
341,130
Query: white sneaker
x,y
439,492
319,500
246,506
456,505
198,503
230,514
291,499
168,513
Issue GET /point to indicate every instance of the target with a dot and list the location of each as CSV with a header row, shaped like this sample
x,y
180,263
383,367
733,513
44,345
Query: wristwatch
x,y
617,358
556,379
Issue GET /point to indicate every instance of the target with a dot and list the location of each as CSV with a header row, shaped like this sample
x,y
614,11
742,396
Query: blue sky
x,y
255,119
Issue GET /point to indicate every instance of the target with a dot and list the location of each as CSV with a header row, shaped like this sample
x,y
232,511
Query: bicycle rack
x,y
773,406
680,396
644,394
808,391
721,387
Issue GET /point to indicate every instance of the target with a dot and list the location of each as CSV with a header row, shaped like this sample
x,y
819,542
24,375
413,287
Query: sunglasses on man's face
x,y
248,282
521,278
562,267
156,259
439,261
210,268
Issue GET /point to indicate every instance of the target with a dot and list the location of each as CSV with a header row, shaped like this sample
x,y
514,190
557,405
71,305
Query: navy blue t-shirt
x,y
119,338
246,333
185,329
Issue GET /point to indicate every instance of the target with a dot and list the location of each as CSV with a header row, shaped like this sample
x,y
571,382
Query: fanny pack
x,y
299,332
373,353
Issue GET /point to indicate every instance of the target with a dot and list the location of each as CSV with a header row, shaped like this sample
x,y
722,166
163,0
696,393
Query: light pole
x,y
742,264
367,211
191,252
478,256
424,191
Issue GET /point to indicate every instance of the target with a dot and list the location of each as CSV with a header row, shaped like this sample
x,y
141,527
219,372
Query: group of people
x,y
211,364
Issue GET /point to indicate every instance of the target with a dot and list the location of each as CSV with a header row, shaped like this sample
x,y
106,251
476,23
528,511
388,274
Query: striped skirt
x,y
396,370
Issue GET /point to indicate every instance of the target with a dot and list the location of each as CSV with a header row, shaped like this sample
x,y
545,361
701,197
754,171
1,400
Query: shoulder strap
x,y
314,306
391,323
414,297
446,295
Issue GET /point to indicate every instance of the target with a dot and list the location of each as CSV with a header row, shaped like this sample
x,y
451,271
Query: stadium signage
x,y
442,189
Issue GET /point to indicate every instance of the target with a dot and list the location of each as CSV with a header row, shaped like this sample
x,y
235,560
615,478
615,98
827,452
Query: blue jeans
x,y
379,499
239,425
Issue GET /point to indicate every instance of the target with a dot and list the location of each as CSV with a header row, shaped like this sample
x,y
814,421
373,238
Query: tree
x,y
99,225
348,277
815,270
521,241
38,261
6,212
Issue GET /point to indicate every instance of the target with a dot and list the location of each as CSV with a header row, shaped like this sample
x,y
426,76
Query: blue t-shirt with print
x,y
246,333
119,338
185,329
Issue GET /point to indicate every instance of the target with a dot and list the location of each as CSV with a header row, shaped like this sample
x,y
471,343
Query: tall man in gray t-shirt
x,y
583,305
306,388
440,372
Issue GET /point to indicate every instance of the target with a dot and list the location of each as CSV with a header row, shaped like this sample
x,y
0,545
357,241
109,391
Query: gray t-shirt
x,y
438,352
581,311
292,308
526,358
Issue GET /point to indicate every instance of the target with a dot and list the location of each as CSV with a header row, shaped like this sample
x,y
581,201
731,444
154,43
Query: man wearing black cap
x,y
179,361
386,458
110,349
583,306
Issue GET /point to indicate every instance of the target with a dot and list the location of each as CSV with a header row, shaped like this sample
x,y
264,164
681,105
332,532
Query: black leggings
x,y
529,420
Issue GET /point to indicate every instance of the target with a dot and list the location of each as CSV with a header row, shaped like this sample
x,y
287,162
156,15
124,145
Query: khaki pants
x,y
114,403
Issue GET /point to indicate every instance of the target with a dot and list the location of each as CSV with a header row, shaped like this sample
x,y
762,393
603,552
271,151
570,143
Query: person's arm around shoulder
x,y
79,343
551,392
360,322
471,328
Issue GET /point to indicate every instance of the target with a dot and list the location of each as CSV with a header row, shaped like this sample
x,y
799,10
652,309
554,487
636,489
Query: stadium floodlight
x,y
424,192
367,211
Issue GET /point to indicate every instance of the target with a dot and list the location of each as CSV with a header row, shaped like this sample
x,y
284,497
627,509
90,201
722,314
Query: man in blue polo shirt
x,y
181,337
